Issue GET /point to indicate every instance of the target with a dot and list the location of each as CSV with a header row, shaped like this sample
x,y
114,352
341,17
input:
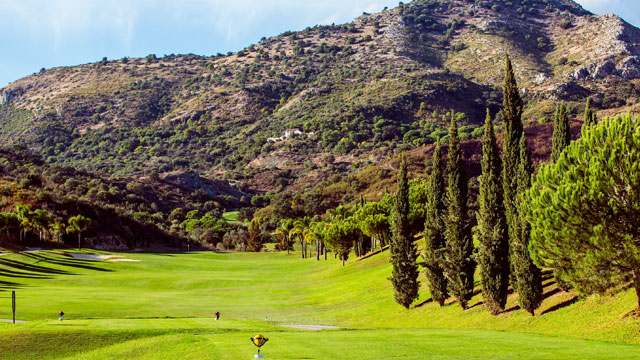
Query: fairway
x,y
162,307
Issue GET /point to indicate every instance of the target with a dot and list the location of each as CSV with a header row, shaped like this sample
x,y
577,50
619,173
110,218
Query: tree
x,y
561,132
404,253
512,108
297,232
283,233
78,224
9,221
42,221
491,232
255,242
315,234
589,115
585,208
374,222
459,266
352,233
58,228
561,139
25,215
528,277
434,229
336,236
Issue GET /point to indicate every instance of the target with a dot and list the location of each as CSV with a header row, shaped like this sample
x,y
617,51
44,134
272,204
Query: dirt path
x,y
311,327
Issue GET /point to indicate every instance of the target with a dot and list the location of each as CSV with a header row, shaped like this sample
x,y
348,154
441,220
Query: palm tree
x,y
340,213
283,233
41,220
78,224
314,233
25,215
297,232
58,228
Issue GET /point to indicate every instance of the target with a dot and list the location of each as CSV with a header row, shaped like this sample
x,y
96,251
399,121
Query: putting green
x,y
162,307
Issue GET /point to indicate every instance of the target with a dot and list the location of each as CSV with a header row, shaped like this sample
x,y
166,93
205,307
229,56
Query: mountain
x,y
357,93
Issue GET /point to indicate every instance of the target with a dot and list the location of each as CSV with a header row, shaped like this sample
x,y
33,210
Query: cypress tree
x,y
561,132
404,252
561,139
528,276
458,263
589,115
512,115
434,229
491,232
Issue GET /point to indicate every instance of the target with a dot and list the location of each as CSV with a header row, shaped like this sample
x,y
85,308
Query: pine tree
x,y
434,228
513,130
404,252
561,132
491,232
585,208
528,276
589,115
458,264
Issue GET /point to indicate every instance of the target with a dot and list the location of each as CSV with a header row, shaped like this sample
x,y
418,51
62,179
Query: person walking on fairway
x,y
217,315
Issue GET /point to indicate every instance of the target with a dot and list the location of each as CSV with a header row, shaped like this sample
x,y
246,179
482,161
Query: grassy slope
x,y
231,217
162,306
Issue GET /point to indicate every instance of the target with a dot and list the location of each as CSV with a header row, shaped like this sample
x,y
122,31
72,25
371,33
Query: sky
x,y
50,33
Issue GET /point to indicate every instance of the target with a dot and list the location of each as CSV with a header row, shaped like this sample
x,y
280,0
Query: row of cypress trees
x,y
502,232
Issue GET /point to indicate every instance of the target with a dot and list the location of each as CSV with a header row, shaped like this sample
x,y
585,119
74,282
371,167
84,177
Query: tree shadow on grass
x,y
428,301
550,293
479,303
561,305
19,265
9,285
20,274
71,262
513,308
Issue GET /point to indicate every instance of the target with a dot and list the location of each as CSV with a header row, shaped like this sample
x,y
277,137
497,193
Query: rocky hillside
x,y
358,93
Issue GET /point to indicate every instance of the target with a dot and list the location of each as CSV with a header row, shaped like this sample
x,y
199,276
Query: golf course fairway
x,y
162,306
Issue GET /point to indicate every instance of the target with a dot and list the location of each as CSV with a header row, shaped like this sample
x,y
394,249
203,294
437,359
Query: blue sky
x,y
48,33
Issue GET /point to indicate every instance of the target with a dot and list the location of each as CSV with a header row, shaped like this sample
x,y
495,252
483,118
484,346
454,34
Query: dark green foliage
x,y
560,140
561,132
589,115
528,277
458,264
584,209
338,237
434,229
404,252
491,232
513,130
257,236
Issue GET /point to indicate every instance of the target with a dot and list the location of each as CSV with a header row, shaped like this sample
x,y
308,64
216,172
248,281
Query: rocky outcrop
x,y
570,91
628,69
8,95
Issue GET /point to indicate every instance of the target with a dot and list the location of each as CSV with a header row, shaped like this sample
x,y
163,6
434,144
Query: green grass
x,y
231,217
162,307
